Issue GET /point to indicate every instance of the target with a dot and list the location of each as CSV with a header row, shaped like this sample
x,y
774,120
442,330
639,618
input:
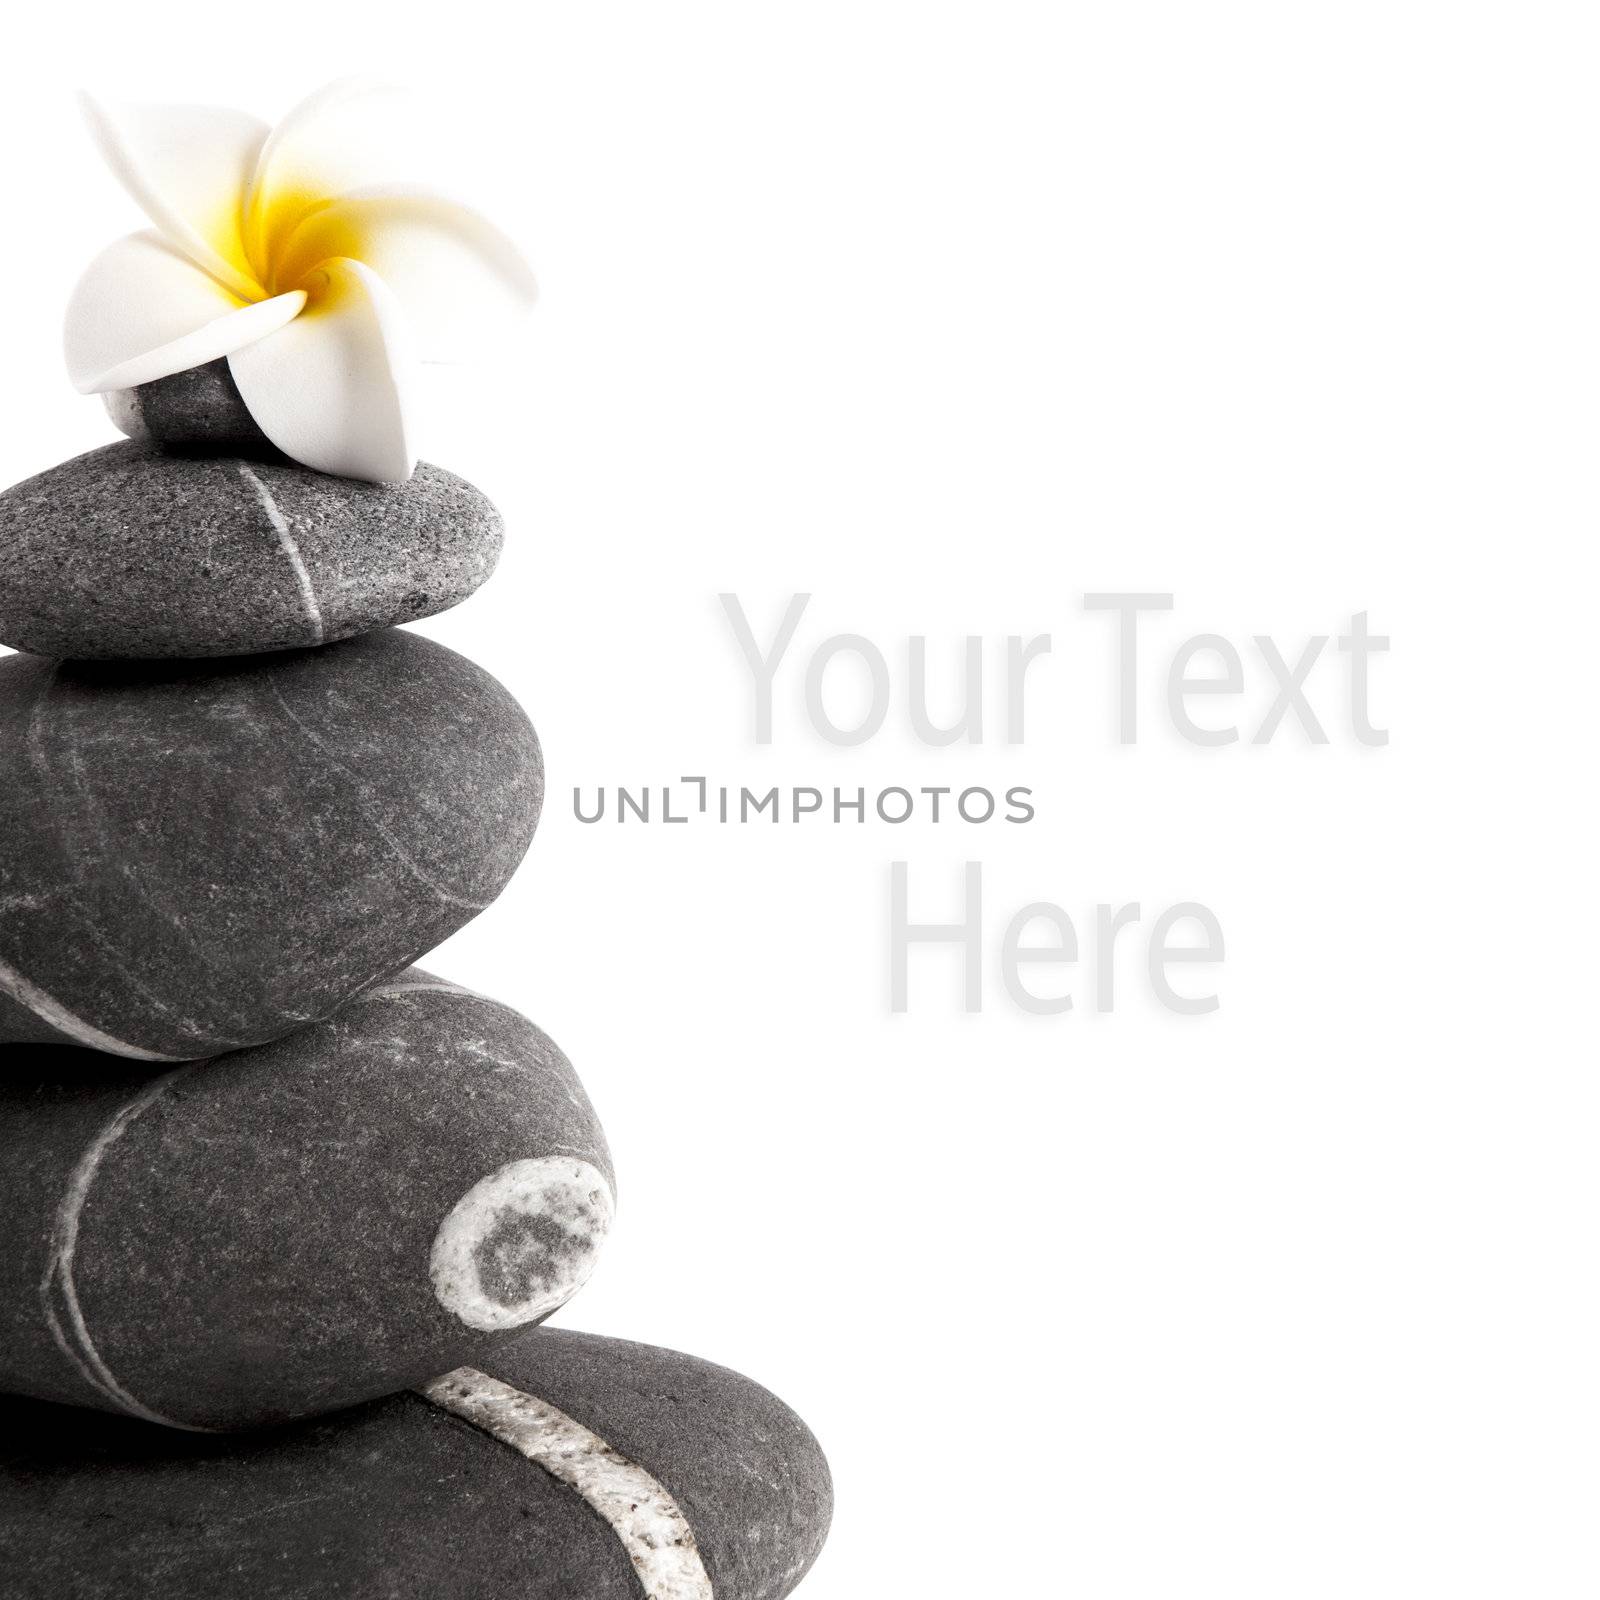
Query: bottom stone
x,y
583,1468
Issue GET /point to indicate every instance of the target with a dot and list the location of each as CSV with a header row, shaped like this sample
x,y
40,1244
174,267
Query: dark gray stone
x,y
285,1230
200,409
127,552
199,857
404,1498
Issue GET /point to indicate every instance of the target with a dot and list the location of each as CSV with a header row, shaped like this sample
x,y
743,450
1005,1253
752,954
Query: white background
x,y
949,315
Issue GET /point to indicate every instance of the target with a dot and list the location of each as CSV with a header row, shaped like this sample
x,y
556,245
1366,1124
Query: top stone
x,y
200,409
128,552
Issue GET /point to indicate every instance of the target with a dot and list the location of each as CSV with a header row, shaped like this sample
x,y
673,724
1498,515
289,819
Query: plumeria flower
x,y
294,253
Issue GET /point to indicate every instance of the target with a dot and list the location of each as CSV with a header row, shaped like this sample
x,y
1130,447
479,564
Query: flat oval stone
x,y
575,1466
196,857
127,553
200,409
285,1230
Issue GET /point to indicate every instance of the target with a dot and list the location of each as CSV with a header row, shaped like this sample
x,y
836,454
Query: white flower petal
x,y
330,388
457,275
189,168
352,133
142,311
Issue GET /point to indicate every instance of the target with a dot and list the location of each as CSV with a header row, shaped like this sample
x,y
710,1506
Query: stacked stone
x,y
258,1170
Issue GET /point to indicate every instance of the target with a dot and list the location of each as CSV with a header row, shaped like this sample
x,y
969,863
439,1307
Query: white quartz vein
x,y
640,1510
411,864
49,1010
21,988
73,1335
393,991
280,525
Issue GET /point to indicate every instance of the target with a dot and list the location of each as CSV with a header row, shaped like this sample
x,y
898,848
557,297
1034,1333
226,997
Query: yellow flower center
x,y
280,248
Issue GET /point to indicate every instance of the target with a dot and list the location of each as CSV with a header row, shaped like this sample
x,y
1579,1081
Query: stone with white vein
x,y
131,552
200,856
571,1465
256,1238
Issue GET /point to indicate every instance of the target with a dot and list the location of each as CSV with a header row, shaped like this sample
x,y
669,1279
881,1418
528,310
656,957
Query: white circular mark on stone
x,y
521,1242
